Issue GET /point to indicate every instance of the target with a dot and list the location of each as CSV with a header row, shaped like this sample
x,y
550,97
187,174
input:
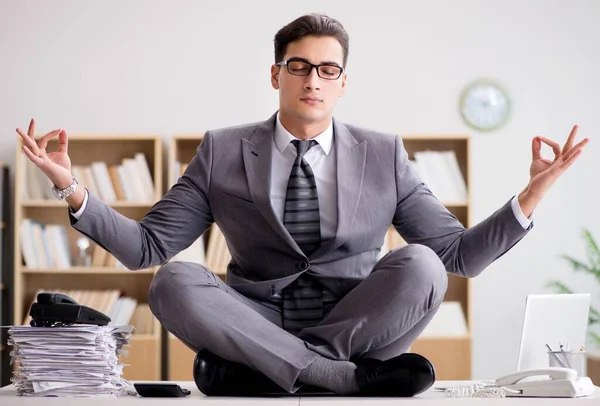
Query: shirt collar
x,y
283,137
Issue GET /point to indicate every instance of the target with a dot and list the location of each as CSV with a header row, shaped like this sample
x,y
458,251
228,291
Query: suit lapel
x,y
257,162
351,158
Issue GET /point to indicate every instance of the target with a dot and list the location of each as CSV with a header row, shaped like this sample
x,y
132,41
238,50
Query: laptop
x,y
552,319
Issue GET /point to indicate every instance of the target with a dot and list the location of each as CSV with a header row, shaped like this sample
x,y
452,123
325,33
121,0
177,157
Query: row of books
x,y
46,246
441,172
122,310
129,181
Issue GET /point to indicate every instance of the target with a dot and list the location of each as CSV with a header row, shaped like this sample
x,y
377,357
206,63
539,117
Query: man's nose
x,y
312,81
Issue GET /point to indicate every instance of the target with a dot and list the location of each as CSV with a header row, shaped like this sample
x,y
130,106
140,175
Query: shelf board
x,y
63,205
444,338
2,225
187,136
435,137
144,337
85,270
124,137
455,204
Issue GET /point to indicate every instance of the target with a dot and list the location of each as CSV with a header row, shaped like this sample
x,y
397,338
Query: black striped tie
x,y
301,215
303,299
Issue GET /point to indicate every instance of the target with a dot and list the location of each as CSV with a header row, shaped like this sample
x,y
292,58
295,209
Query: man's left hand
x,y
543,172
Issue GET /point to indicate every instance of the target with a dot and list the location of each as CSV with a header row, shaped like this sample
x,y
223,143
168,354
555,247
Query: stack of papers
x,y
69,361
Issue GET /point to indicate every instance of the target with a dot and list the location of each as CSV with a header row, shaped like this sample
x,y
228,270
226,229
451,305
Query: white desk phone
x,y
545,382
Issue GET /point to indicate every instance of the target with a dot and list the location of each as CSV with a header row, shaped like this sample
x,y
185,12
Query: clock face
x,y
484,106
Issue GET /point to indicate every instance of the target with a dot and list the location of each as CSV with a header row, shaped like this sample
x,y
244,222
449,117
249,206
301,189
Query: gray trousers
x,y
379,318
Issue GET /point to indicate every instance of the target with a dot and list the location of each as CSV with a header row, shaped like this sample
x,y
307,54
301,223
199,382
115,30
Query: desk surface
x,y
430,397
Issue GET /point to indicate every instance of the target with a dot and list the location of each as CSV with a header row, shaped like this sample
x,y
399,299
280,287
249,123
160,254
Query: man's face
x,y
310,99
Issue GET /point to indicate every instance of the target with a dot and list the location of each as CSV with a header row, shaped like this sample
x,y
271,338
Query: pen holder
x,y
568,359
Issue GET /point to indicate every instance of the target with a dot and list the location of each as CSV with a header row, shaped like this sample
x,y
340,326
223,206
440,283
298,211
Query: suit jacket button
x,y
303,265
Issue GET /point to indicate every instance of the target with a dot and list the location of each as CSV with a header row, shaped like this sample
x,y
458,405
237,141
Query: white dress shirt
x,y
322,160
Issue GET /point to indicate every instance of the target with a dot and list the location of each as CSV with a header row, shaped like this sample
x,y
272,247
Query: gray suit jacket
x,y
228,182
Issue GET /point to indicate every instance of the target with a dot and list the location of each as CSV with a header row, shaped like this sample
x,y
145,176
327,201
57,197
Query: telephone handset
x,y
57,310
54,298
545,382
552,372
562,382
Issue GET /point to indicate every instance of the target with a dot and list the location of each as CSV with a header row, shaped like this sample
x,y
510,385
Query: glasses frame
x,y
312,65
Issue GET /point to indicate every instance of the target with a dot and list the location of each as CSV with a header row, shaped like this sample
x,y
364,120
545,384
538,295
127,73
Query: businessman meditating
x,y
304,202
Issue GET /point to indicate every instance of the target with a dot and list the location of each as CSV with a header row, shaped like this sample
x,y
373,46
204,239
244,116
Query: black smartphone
x,y
160,390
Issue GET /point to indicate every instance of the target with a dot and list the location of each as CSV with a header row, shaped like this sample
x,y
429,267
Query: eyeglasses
x,y
300,67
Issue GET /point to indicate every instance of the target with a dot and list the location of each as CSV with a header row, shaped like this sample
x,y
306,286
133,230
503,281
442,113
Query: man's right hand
x,y
55,165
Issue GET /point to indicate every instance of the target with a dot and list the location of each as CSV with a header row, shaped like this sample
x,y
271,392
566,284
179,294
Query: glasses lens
x,y
329,71
298,68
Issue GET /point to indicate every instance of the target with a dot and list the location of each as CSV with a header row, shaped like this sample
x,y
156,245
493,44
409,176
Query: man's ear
x,y
275,76
344,79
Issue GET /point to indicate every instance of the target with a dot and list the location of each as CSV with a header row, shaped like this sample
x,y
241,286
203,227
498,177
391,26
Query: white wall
x,y
179,66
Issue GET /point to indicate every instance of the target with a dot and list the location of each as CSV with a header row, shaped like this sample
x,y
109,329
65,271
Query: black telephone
x,y
57,310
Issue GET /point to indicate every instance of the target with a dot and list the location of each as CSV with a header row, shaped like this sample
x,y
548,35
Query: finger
x,y
567,163
33,158
29,142
536,148
43,143
31,130
63,142
571,139
553,144
575,149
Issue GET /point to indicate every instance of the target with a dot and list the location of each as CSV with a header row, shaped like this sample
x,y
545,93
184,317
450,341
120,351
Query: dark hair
x,y
316,25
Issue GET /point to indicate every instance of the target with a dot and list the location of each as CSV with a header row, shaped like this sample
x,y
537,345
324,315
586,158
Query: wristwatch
x,y
62,194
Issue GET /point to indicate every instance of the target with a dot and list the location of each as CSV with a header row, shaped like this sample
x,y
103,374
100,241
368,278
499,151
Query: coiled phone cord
x,y
477,391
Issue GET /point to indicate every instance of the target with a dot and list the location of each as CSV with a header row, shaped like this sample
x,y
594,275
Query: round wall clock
x,y
484,105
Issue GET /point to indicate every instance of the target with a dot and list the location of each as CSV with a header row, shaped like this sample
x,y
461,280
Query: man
x,y
304,202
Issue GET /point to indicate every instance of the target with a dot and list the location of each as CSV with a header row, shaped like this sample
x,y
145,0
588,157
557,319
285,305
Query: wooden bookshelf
x,y
451,355
144,358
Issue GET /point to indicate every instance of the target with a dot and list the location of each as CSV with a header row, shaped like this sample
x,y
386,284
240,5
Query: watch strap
x,y
62,194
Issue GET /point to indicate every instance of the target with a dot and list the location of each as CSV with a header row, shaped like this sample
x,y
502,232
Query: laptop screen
x,y
552,319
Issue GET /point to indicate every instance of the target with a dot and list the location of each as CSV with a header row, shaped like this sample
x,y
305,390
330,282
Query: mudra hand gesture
x,y
55,165
543,172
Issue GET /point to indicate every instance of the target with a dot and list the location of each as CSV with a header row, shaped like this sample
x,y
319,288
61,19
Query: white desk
x,y
428,398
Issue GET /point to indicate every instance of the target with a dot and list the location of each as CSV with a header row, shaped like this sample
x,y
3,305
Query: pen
x,y
555,356
563,351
